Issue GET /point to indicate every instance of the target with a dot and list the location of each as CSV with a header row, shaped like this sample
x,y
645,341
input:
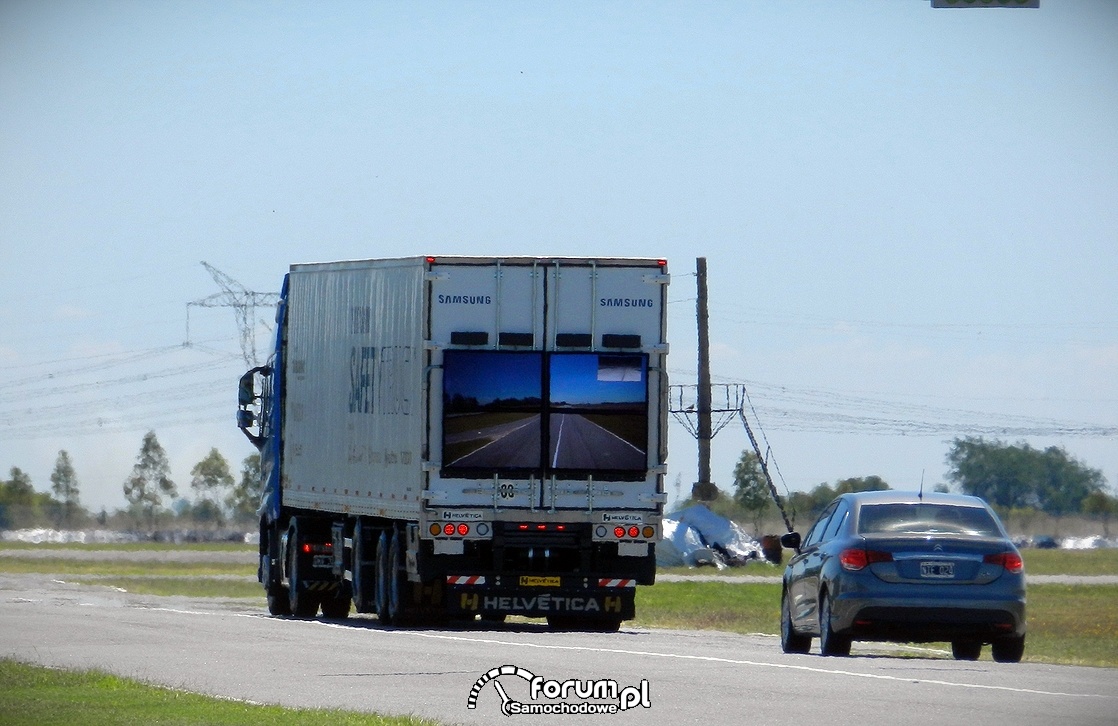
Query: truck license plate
x,y
938,570
323,561
536,581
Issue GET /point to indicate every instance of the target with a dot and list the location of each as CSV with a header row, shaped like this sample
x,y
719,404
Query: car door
x,y
803,571
825,550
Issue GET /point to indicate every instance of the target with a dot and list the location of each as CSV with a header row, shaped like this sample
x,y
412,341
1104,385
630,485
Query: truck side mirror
x,y
791,540
245,418
246,394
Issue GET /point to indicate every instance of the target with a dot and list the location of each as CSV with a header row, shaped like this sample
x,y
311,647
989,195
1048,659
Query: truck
x,y
452,437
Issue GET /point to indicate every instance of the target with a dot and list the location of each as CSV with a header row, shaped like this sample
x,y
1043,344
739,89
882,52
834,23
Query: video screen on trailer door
x,y
545,413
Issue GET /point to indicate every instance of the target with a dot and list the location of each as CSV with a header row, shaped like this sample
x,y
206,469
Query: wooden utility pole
x,y
703,490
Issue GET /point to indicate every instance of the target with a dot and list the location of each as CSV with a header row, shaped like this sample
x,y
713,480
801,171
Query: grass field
x,y
39,696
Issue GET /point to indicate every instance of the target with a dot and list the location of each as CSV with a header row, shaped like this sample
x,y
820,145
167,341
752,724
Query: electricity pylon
x,y
244,303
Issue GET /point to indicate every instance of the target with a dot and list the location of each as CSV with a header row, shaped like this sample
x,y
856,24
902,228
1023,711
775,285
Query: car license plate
x,y
937,570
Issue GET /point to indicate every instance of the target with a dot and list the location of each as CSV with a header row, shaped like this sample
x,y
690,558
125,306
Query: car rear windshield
x,y
926,518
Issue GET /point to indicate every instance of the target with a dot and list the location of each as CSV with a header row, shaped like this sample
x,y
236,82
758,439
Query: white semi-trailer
x,y
463,436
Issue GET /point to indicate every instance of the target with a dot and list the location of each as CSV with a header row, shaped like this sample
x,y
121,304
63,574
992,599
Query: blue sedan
x,y
905,567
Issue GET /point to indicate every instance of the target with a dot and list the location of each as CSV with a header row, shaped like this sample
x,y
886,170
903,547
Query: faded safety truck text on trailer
x,y
463,437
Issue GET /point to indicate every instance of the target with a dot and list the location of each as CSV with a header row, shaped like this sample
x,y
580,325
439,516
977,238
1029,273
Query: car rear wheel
x,y
830,642
966,649
790,640
1008,650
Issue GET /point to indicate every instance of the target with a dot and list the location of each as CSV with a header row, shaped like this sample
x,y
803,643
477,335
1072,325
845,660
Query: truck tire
x,y
304,604
396,579
380,598
278,603
335,605
364,568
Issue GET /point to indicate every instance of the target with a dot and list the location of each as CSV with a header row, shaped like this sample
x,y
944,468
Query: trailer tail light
x,y
1011,561
453,529
855,559
634,532
619,532
317,549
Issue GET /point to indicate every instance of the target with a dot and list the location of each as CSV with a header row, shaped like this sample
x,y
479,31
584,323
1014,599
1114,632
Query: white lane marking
x,y
559,441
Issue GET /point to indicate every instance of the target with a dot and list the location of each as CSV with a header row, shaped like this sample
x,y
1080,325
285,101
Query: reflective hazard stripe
x,y
616,583
465,579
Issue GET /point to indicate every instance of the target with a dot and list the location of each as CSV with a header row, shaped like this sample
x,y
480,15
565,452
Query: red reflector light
x,y
1011,561
463,530
560,527
855,559
619,532
634,531
541,527
522,527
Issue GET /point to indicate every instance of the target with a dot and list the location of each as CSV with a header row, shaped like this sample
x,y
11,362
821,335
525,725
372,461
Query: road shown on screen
x,y
579,443
513,444
576,443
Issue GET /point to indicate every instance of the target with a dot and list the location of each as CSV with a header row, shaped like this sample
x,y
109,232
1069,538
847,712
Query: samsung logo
x,y
626,302
465,299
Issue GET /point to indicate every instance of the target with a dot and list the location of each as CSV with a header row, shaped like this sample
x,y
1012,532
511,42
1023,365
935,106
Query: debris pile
x,y
697,537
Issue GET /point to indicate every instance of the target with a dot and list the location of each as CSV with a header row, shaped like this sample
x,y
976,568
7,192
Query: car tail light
x,y
1011,561
855,559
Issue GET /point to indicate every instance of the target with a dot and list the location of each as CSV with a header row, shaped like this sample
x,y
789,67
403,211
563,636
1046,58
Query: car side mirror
x,y
790,541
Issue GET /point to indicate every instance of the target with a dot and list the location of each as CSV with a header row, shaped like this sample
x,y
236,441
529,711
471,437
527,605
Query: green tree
x,y
150,481
1103,505
64,484
751,488
1019,476
210,479
872,483
17,500
244,500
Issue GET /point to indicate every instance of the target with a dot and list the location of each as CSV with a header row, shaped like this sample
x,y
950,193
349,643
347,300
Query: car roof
x,y
891,496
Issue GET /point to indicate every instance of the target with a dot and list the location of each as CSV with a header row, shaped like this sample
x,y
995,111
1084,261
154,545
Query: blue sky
x,y
909,214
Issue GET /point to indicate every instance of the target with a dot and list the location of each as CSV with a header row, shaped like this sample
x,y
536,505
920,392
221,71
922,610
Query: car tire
x,y
966,649
1008,650
830,642
790,640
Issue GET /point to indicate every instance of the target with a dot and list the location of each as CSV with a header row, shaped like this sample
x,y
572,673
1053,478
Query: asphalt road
x,y
227,649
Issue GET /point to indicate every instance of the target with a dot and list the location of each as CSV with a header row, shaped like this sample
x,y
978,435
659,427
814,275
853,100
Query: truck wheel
x,y
278,603
381,596
396,580
336,605
364,569
304,604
